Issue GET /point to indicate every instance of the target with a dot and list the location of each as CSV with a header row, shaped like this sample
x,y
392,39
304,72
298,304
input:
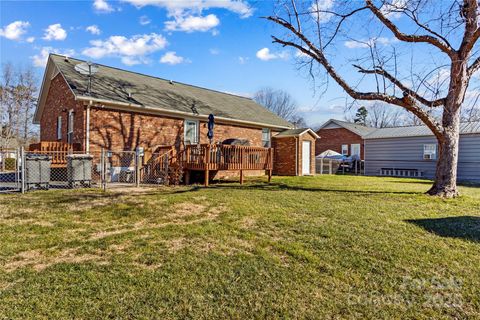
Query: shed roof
x,y
418,131
296,133
143,91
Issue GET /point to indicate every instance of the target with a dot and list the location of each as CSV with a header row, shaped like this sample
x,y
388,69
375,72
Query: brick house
x,y
343,137
123,110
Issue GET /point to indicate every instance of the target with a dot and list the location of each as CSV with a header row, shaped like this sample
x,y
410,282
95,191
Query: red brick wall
x,y
122,130
288,154
332,139
284,156
59,101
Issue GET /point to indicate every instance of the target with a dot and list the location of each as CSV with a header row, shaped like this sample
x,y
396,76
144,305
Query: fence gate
x,y
10,170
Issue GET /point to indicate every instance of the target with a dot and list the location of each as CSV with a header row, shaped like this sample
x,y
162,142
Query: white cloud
x,y
354,44
192,23
393,9
14,30
319,9
182,7
172,58
265,55
55,32
30,39
132,50
144,20
40,59
102,6
214,51
93,29
242,60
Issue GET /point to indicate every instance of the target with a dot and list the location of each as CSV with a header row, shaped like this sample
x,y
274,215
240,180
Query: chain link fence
x,y
337,166
22,171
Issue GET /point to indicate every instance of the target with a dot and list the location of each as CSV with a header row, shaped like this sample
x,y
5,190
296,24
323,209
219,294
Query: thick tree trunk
x,y
445,184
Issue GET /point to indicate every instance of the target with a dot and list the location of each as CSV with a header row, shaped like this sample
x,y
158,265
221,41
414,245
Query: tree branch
x,y
401,86
406,101
474,67
444,47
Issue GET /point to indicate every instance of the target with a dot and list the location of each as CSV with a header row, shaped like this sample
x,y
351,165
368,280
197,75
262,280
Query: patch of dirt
x,y
38,260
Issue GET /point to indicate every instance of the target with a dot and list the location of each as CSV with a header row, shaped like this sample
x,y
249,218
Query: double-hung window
x,y
191,132
59,128
266,137
71,115
430,151
345,149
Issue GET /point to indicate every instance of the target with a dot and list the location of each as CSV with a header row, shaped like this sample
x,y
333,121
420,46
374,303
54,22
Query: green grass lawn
x,y
310,247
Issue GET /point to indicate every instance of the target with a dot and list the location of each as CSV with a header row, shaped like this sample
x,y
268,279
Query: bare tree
x,y
18,90
448,31
281,103
381,115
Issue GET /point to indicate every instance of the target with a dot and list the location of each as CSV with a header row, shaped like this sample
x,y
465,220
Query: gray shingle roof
x,y
418,131
295,132
355,128
114,84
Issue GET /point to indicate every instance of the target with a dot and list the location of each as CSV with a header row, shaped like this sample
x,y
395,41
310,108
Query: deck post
x,y
207,165
241,176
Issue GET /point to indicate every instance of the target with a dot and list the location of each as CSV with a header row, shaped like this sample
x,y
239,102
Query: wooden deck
x,y
167,161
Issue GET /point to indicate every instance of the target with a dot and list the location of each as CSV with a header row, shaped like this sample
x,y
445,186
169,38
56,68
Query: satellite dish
x,y
87,69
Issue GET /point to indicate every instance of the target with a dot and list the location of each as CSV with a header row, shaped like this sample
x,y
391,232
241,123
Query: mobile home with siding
x,y
413,151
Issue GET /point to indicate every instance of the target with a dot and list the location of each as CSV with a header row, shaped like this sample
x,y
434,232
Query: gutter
x,y
160,111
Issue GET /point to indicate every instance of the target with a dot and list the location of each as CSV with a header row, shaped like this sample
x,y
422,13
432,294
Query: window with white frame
x,y
59,128
191,132
345,149
70,126
430,151
266,138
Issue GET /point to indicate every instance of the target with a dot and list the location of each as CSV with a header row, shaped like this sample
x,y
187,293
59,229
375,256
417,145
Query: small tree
x,y
450,30
361,116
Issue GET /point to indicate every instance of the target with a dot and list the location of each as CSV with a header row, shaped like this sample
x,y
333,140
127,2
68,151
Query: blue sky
x,y
218,51
218,44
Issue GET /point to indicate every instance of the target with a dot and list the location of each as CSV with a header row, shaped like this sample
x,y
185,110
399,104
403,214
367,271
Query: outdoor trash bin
x,y
37,171
79,170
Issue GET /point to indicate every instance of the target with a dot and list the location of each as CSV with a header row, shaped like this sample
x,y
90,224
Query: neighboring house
x,y
343,137
413,151
124,110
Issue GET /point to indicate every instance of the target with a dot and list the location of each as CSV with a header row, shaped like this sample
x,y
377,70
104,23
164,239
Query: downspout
x,y
87,127
296,156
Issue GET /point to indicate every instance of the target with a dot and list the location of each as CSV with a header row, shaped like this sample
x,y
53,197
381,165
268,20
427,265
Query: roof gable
x,y
296,133
358,129
146,92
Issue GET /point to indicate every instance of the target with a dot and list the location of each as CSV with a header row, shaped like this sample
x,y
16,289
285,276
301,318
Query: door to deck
x,y
306,157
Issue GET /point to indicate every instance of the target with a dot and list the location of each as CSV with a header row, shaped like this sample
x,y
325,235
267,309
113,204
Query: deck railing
x,y
227,157
57,150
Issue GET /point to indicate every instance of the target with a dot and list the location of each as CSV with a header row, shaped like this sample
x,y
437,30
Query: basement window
x,y
430,151
266,138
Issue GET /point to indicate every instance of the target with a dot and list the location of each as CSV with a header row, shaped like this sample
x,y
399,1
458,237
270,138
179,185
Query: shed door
x,y
306,157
